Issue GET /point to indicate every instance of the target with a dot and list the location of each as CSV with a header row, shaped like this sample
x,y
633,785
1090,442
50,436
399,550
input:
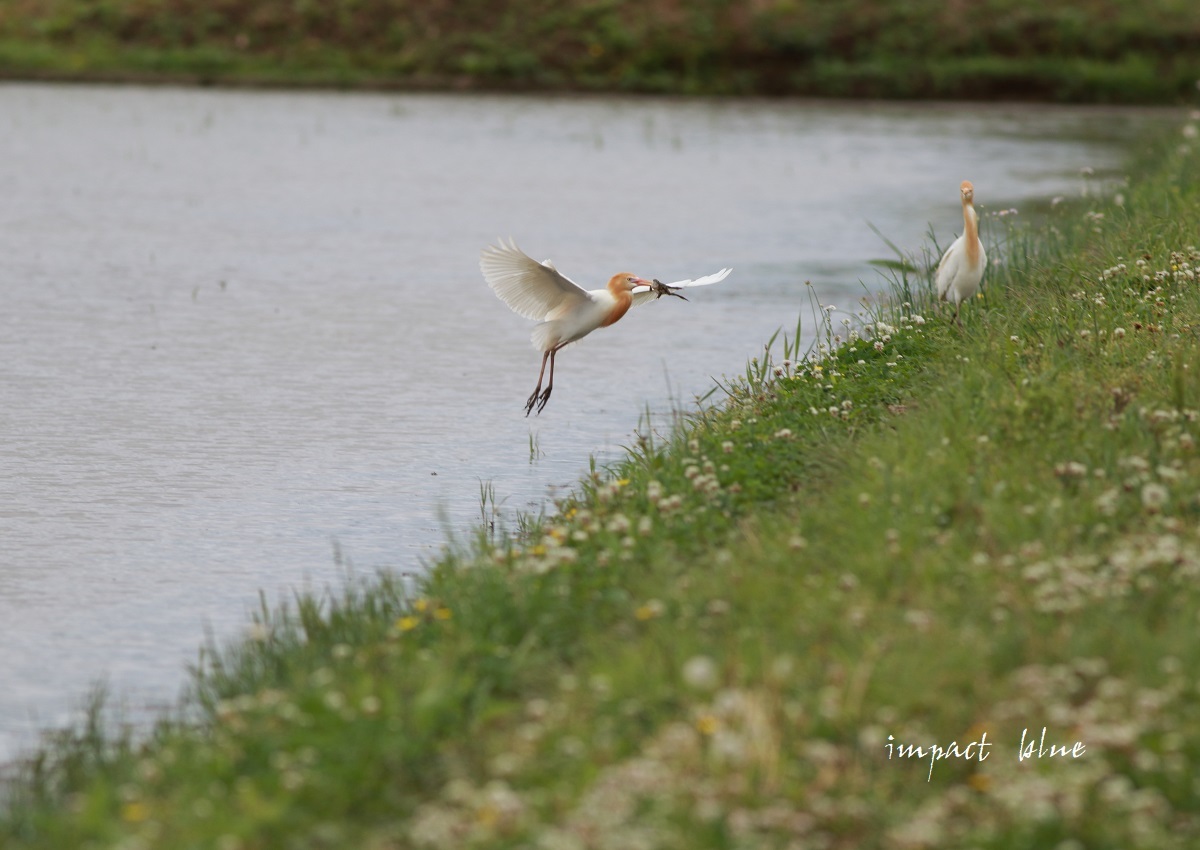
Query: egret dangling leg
x,y
540,396
533,399
549,384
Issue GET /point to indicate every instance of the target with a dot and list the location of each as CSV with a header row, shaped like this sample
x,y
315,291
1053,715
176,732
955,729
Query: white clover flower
x,y
1135,462
563,555
701,673
1070,469
918,619
619,524
727,447
1154,496
671,503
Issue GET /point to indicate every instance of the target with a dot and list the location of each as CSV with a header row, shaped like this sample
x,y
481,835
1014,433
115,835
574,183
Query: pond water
x,y
242,330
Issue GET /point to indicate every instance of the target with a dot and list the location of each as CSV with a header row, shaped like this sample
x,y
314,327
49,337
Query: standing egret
x,y
565,311
961,268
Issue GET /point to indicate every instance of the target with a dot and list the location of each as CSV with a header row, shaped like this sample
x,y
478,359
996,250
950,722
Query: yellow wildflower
x,y
981,782
649,611
134,812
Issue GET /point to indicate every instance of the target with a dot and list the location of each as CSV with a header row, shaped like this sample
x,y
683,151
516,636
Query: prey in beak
x,y
661,289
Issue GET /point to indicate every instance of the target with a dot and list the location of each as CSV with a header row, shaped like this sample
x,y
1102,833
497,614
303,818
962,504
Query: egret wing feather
x,y
950,267
642,295
703,281
530,289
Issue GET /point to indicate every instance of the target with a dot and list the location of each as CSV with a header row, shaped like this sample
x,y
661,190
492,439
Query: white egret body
x,y
961,269
565,311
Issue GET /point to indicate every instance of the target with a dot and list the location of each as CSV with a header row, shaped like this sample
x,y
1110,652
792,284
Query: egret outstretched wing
x,y
641,296
531,289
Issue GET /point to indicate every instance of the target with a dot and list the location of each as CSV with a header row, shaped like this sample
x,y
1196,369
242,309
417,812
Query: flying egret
x,y
961,268
565,311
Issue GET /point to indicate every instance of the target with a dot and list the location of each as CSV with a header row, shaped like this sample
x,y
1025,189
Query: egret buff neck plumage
x,y
621,287
970,223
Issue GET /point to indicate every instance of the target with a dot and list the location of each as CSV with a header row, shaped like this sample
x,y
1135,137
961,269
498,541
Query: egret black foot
x,y
537,400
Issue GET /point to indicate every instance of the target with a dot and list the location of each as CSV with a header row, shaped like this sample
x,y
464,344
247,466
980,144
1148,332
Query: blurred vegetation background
x,y
1129,51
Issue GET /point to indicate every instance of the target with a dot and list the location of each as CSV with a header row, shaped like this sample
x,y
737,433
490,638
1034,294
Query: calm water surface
x,y
242,329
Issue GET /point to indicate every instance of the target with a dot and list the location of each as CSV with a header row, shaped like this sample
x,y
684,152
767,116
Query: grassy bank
x,y
1089,51
923,535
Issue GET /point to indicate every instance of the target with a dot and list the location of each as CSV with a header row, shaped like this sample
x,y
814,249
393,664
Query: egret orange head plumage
x,y
968,191
625,282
